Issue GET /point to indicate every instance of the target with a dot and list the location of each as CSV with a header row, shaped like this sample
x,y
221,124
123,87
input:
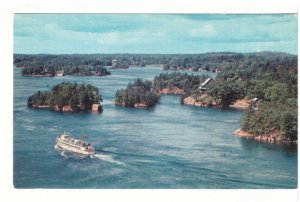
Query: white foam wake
x,y
108,158
63,153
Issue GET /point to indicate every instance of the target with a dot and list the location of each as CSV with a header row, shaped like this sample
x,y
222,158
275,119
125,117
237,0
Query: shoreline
x,y
137,105
271,138
209,101
94,108
48,75
242,104
192,101
38,75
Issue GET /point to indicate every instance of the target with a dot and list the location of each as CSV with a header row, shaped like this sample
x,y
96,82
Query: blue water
x,y
168,146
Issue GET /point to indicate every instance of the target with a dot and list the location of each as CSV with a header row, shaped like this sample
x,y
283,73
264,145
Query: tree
x,y
225,93
78,97
278,92
137,92
289,126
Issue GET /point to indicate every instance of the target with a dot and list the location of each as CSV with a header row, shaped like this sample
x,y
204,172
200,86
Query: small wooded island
x,y
68,97
138,94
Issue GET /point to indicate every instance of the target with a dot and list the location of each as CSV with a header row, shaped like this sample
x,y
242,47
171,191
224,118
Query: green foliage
x,y
49,65
138,92
272,66
288,125
272,117
80,70
38,99
77,96
278,94
244,65
227,92
189,83
262,121
256,88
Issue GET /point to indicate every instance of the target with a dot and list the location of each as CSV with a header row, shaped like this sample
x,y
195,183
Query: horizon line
x,y
154,53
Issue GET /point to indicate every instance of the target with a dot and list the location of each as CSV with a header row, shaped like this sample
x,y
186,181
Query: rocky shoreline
x,y
206,100
94,108
38,75
273,138
241,104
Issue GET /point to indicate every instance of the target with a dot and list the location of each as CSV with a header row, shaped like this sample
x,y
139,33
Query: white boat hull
x,y
61,143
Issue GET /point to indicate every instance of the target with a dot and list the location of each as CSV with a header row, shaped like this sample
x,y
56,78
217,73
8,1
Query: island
x,y
68,97
138,94
44,65
263,84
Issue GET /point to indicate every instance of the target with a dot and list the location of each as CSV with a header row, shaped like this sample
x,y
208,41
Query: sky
x,y
154,33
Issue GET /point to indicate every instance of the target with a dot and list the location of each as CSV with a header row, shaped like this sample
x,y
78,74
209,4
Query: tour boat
x,y
68,143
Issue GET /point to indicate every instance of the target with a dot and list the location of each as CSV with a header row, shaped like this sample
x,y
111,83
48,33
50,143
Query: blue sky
x,y
154,33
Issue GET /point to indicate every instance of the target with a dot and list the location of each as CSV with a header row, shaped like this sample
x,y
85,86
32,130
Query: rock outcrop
x,y
274,137
241,104
204,100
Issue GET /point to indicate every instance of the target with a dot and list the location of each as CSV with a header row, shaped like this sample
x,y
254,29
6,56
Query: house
x,y
95,107
114,63
218,70
60,73
67,108
255,103
202,85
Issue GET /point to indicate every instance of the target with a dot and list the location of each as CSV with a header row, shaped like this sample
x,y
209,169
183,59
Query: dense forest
x,y
67,97
274,81
195,62
80,70
270,79
137,94
278,110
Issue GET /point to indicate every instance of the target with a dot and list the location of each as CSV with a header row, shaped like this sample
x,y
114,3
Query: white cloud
x,y
204,31
50,27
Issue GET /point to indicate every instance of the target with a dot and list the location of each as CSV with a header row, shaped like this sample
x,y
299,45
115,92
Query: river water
x,y
168,146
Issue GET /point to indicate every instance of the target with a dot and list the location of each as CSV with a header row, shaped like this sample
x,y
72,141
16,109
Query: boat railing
x,y
77,142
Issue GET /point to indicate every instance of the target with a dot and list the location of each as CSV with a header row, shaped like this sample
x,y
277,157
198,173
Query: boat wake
x,y
107,158
64,154
61,151
103,157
